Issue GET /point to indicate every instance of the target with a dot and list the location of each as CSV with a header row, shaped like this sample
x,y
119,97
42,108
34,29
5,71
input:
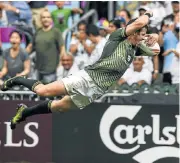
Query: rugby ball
x,y
155,48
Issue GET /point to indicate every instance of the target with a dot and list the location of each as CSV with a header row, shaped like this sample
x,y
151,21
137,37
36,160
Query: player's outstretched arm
x,y
138,23
149,46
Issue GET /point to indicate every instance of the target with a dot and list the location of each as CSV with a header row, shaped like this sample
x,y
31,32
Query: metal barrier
x,y
11,95
107,97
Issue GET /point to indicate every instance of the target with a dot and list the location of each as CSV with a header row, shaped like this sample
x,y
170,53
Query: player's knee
x,y
42,91
63,105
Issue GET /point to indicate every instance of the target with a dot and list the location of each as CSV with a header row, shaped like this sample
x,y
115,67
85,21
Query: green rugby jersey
x,y
116,57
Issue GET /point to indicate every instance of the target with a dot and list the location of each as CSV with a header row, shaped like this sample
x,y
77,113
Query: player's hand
x,y
150,40
149,12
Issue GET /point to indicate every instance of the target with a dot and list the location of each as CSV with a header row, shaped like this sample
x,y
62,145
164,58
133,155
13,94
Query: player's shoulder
x,y
119,33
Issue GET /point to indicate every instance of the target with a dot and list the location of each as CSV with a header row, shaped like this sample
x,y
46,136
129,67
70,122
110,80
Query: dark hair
x,y
18,32
127,12
116,22
92,29
176,2
81,23
133,20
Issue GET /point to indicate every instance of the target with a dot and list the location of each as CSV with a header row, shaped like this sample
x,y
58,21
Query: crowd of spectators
x,y
53,61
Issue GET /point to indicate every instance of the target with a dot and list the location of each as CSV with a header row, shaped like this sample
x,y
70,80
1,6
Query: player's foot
x,y
19,116
10,83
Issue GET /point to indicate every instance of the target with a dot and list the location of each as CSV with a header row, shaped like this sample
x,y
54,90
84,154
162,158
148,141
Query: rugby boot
x,y
19,116
10,83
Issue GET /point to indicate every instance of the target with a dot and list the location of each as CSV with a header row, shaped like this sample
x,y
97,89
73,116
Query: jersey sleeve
x,y
144,50
118,35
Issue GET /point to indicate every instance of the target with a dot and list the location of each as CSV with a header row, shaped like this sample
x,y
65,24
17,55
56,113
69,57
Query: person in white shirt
x,y
81,48
98,40
159,12
67,67
136,75
175,63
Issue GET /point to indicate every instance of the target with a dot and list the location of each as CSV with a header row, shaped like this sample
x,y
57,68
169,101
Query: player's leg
x,y
53,89
45,107
56,88
19,80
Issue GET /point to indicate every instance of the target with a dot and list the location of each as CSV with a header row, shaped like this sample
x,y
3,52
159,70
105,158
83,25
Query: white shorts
x,y
82,89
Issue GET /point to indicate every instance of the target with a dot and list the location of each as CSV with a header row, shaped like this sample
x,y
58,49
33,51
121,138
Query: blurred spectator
x,y
114,24
103,32
167,6
82,26
67,67
169,42
129,5
103,25
99,42
3,18
18,11
144,6
37,7
61,15
175,65
174,69
156,8
170,18
81,48
3,67
16,58
136,75
49,45
125,14
159,13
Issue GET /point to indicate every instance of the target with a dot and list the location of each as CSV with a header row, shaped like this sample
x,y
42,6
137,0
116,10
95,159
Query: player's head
x,y
46,19
140,34
116,23
92,32
67,61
